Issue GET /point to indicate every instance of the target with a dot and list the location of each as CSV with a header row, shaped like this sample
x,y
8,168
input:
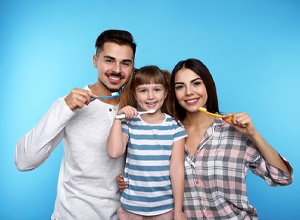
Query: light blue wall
x,y
251,47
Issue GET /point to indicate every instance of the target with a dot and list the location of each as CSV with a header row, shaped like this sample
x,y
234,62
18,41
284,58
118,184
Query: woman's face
x,y
190,90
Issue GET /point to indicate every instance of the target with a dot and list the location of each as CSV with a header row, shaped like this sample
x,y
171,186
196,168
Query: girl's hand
x,y
121,183
129,112
242,122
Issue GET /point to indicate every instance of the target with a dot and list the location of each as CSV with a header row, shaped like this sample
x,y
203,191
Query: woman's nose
x,y
189,91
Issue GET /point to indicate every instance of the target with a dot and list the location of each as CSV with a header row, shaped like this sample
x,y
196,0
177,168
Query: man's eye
x,y
126,63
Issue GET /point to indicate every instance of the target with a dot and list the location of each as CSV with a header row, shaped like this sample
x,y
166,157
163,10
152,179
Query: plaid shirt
x,y
215,177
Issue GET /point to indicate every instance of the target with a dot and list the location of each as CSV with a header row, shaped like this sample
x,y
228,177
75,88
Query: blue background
x,y
252,48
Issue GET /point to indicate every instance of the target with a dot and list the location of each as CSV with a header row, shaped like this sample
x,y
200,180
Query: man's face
x,y
115,65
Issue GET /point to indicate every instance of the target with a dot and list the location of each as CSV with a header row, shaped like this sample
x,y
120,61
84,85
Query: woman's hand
x,y
121,183
242,122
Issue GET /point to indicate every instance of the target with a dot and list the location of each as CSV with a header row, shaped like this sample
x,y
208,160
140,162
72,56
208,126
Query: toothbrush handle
x,y
123,115
120,116
103,97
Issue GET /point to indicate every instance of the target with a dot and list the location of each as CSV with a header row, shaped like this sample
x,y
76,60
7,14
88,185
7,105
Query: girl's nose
x,y
150,95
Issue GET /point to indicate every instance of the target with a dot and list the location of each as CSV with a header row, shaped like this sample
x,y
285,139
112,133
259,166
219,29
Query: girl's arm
x,y
177,177
117,140
243,123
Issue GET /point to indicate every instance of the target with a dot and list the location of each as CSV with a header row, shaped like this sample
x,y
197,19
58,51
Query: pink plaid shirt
x,y
215,177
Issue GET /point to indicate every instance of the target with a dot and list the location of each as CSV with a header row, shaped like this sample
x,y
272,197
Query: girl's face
x,y
190,90
150,96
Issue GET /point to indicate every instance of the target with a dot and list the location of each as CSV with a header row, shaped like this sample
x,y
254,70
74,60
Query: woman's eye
x,y
178,87
197,83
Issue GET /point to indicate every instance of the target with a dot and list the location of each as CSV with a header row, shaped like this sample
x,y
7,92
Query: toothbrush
x,y
202,109
145,112
113,95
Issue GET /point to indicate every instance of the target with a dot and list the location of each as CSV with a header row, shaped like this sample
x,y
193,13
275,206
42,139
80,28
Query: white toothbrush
x,y
145,112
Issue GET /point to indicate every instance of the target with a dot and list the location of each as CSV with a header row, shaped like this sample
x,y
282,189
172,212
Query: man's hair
x,y
120,37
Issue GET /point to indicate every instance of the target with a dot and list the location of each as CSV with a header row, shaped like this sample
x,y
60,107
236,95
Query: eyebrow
x,y
191,81
112,58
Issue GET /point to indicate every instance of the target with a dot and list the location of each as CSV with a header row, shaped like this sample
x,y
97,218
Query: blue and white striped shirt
x,y
147,168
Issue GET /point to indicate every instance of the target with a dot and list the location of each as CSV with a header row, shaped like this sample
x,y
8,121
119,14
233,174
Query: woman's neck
x,y
198,119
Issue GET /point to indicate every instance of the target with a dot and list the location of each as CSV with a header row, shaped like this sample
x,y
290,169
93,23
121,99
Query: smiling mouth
x,y
115,77
150,103
192,101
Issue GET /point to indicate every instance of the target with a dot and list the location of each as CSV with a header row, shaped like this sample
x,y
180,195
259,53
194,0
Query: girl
x,y
154,166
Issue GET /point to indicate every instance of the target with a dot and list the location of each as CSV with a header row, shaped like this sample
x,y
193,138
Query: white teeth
x,y
114,77
191,101
150,103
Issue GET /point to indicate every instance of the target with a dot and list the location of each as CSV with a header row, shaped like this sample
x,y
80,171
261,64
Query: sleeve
x,y
180,132
272,175
125,127
36,146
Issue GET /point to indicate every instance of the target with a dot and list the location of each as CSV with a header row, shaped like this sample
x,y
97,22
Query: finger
x,y
92,96
74,101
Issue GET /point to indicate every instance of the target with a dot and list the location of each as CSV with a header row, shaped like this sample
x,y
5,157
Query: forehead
x,y
149,86
116,51
185,75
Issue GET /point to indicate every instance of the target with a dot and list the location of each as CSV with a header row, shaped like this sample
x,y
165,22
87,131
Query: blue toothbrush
x,y
113,95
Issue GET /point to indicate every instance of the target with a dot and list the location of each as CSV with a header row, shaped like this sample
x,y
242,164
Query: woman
x,y
219,152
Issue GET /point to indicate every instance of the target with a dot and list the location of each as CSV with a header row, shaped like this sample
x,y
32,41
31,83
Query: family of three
x,y
181,163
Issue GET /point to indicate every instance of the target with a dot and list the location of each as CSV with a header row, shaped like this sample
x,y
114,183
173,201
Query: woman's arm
x,y
177,177
243,123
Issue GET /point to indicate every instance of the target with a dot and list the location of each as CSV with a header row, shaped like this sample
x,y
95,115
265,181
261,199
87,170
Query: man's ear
x,y
95,59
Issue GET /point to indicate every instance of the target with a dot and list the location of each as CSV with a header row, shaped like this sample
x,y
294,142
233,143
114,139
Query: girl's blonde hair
x,y
146,75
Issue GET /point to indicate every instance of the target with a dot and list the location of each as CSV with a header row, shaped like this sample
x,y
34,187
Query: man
x,y
87,188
